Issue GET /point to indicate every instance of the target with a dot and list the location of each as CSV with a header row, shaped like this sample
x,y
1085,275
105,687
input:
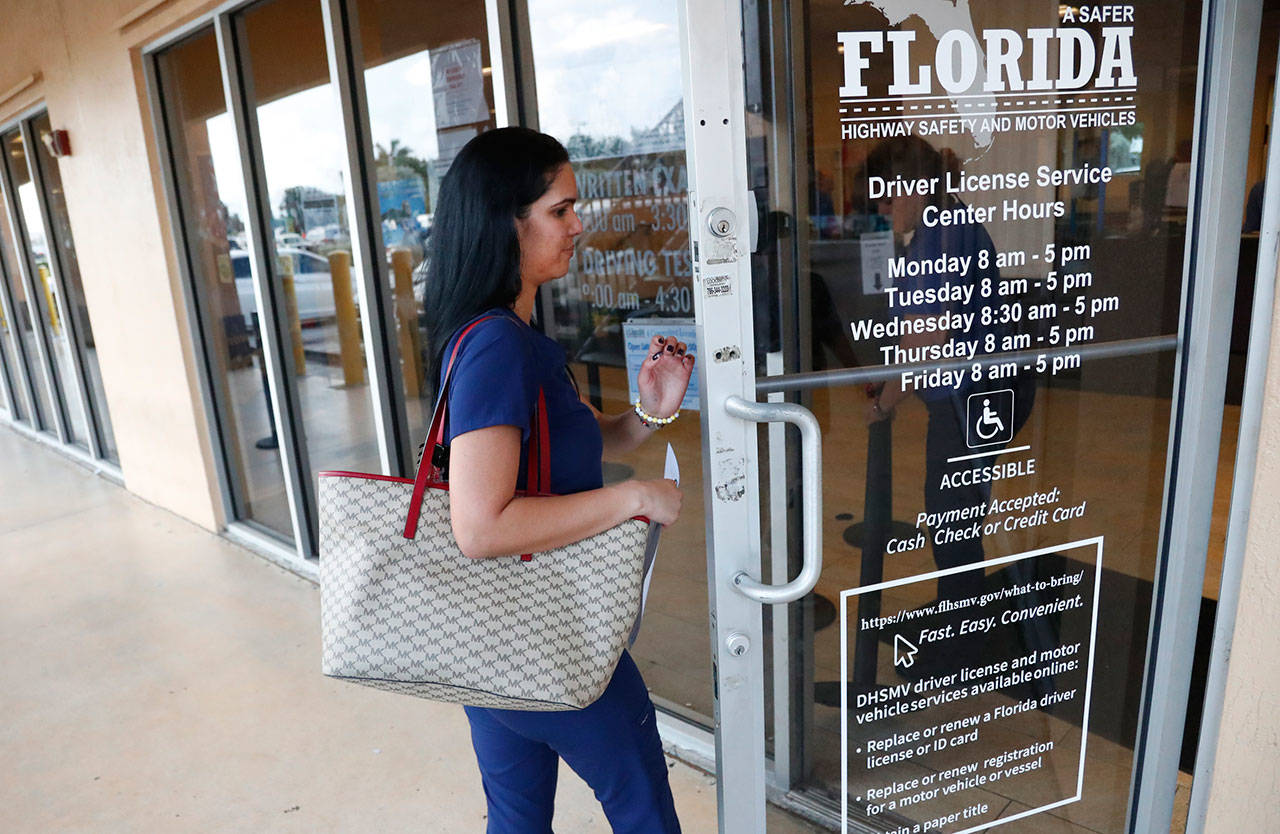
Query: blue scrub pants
x,y
613,745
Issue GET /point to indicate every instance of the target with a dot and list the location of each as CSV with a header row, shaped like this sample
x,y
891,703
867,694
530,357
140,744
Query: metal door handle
x,y
811,492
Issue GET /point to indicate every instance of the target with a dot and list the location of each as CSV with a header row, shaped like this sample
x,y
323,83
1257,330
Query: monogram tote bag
x,y
403,609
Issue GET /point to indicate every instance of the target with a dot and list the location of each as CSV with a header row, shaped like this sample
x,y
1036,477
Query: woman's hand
x,y
662,381
660,499
664,376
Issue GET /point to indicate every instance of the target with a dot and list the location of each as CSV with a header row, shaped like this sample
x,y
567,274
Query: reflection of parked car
x,y
327,237
312,284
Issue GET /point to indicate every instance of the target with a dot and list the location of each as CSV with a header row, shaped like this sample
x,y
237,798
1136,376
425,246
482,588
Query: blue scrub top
x,y
496,376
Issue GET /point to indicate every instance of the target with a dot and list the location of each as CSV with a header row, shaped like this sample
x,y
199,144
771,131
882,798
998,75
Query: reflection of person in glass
x,y
505,224
912,158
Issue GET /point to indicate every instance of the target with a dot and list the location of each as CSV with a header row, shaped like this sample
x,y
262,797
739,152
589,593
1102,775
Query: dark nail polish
x,y
671,348
656,355
661,340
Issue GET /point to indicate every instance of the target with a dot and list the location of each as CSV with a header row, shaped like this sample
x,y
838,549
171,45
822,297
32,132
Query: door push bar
x,y
811,492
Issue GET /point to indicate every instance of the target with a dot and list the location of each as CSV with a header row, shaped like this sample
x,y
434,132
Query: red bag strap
x,y
537,476
537,479
435,436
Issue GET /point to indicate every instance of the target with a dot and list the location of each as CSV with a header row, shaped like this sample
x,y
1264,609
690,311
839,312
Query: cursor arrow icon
x,y
904,653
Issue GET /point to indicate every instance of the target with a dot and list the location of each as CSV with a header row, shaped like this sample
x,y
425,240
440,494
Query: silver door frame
x,y
715,135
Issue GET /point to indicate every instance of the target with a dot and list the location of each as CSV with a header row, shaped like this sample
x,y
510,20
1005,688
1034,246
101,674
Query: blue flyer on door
x,y
636,335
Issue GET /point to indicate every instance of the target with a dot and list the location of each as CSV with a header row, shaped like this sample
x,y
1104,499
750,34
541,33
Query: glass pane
x,y
24,318
429,88
10,358
966,232
12,402
609,88
70,275
38,259
311,271
206,164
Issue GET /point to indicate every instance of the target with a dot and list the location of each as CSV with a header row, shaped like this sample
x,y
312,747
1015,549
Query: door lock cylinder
x,y
722,222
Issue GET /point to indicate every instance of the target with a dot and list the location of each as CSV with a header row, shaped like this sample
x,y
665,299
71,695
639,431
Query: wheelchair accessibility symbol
x,y
990,419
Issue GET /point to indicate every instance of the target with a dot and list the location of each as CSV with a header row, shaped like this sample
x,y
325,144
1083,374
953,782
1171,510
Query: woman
x,y
504,225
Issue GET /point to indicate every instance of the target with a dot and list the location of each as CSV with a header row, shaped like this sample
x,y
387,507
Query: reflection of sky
x,y
31,218
400,104
302,133
604,66
226,164
302,142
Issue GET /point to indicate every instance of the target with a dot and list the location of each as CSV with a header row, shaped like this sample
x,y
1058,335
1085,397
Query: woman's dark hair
x,y
475,255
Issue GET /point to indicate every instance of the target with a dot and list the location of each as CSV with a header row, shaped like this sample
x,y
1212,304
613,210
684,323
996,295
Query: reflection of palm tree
x,y
395,155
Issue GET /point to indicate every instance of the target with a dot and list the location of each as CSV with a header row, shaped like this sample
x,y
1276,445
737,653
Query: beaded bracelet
x,y
650,421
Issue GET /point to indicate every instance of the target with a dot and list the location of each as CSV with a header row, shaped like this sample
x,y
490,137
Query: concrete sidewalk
x,y
157,677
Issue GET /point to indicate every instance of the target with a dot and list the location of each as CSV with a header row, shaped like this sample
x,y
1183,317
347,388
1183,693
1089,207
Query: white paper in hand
x,y
671,471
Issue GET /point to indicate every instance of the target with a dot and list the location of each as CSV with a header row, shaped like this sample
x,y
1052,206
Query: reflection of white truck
x,y
312,284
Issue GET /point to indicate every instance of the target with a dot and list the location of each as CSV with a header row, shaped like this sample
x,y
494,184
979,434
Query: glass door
x,y
604,79
948,243
209,185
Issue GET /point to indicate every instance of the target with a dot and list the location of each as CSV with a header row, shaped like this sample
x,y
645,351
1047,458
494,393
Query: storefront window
x,y
428,82
69,273
303,147
210,192
38,257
